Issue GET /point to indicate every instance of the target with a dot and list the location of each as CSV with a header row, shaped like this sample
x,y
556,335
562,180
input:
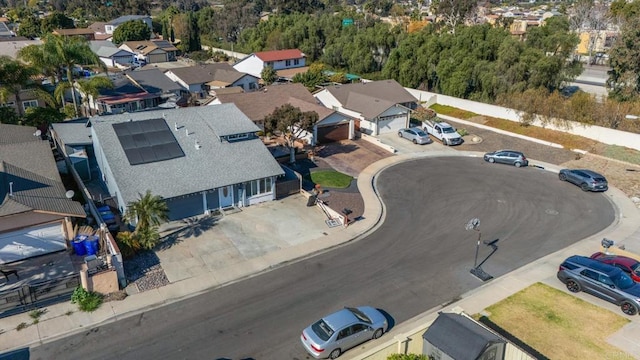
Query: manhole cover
x,y
332,222
551,212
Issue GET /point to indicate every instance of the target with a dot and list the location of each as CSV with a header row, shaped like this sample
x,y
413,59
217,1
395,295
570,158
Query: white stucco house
x,y
277,59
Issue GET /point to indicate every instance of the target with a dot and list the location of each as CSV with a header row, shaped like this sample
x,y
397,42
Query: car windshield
x,y
360,315
421,133
622,280
636,268
322,329
448,130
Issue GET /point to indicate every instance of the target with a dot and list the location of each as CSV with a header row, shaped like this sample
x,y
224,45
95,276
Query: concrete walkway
x,y
242,245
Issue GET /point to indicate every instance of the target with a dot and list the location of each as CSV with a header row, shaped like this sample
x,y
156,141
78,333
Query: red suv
x,y
627,264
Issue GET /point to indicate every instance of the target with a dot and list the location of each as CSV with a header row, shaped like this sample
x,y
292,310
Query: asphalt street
x,y
419,259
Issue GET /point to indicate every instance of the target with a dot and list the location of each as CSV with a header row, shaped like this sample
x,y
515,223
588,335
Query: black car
x,y
587,180
511,157
581,273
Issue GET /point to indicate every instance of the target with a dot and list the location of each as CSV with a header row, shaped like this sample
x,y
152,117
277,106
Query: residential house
x,y
88,34
99,31
331,125
455,336
27,99
5,32
111,55
152,51
198,159
155,81
277,59
111,26
11,48
73,139
380,106
36,211
200,79
125,96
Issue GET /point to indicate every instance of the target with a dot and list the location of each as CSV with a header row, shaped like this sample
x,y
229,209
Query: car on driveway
x,y
581,273
416,135
587,180
511,157
334,334
626,264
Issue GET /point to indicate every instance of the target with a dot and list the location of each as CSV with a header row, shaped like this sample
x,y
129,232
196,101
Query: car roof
x,y
617,258
340,319
593,264
508,150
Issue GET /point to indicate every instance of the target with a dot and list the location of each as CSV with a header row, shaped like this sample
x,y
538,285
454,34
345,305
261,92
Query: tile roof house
x,y
152,51
381,106
331,125
198,159
111,55
111,26
35,209
455,336
277,59
201,78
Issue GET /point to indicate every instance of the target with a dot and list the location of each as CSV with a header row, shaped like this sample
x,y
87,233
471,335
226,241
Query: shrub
x,y
463,132
35,315
407,357
87,301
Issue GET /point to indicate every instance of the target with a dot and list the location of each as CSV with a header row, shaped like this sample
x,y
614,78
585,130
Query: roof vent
x,y
186,131
175,126
198,146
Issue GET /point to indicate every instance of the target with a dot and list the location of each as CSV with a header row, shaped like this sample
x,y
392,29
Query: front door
x,y
226,196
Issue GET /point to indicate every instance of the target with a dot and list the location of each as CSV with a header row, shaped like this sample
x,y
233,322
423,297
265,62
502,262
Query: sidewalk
x,y
64,319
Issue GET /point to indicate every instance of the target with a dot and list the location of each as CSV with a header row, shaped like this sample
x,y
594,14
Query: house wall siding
x,y
251,65
247,82
107,174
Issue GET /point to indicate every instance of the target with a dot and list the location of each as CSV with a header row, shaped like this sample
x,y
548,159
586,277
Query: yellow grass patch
x,y
558,325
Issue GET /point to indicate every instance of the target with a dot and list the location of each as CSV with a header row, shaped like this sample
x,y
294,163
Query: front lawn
x,y
557,324
331,179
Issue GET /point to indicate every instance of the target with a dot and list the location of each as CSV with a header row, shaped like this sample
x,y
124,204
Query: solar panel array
x,y
147,141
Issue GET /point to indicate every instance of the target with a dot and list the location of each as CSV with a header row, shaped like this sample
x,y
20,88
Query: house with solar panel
x,y
198,159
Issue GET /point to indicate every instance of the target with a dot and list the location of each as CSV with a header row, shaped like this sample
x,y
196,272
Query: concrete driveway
x,y
351,156
404,146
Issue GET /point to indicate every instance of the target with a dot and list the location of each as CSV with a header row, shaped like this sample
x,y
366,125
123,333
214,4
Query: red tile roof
x,y
276,55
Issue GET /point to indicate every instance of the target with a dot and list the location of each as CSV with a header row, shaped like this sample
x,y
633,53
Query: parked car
x,y
511,157
416,135
334,334
587,180
442,131
581,273
626,264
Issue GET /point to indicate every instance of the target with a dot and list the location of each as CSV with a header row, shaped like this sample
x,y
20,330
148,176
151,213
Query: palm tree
x,y
14,76
148,212
58,55
90,89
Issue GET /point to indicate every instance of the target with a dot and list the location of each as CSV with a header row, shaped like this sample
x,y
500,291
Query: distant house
x,y
28,99
455,336
98,29
125,96
86,33
36,213
277,59
200,79
198,159
380,106
331,125
111,26
155,81
152,51
11,48
111,55
5,32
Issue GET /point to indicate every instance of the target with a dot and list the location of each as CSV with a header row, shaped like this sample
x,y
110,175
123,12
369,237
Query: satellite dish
x,y
69,194
37,133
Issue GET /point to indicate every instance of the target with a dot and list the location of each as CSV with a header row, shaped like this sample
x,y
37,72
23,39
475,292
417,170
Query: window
x,y
237,137
287,62
29,104
257,187
296,62
590,274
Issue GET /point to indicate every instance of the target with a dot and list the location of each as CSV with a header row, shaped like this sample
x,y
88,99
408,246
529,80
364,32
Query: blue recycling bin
x,y
79,245
91,245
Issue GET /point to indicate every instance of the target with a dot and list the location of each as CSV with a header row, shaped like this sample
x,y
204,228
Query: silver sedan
x,y
416,135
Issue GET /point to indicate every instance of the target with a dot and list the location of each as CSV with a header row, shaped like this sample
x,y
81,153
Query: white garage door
x,y
34,241
392,124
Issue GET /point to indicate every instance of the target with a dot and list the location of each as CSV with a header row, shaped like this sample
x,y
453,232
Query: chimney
x,y
198,146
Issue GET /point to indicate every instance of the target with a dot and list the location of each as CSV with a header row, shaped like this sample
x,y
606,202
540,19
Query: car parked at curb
x,y
415,135
626,264
510,157
587,180
581,273
336,333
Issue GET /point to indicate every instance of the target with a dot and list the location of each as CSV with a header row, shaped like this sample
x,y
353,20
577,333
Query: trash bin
x,y
78,245
312,200
91,245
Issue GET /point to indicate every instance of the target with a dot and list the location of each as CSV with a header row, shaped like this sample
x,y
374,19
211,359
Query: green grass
x,y
572,328
452,111
331,179
622,153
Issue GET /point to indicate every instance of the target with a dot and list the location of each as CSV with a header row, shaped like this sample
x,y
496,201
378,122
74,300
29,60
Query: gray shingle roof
x,y
36,183
73,133
215,164
125,18
459,337
372,98
154,81
12,134
204,73
104,48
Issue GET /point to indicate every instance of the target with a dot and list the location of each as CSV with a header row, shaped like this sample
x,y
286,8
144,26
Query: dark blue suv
x,y
581,273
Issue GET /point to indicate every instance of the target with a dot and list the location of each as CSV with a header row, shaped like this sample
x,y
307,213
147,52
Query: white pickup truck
x,y
443,132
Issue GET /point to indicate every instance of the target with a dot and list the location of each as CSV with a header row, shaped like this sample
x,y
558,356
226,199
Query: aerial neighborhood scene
x,y
262,179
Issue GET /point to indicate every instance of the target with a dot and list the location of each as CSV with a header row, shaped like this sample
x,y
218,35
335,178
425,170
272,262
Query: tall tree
x,y
62,54
14,76
624,59
268,75
454,12
134,30
30,27
56,20
291,123
90,90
